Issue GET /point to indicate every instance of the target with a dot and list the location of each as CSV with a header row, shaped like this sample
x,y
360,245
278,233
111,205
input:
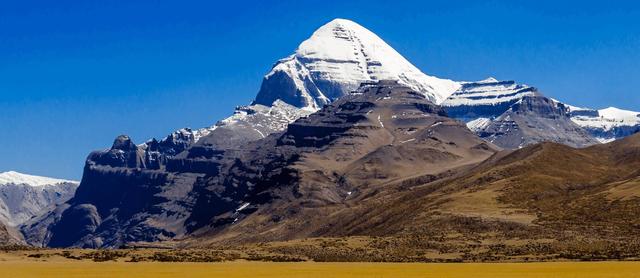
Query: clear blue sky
x,y
75,74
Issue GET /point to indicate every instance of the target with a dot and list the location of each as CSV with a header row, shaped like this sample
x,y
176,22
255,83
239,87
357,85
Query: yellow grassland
x,y
14,269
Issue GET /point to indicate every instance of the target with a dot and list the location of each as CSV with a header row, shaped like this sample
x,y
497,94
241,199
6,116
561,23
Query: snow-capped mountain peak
x,y
12,177
24,196
335,60
488,80
606,124
617,113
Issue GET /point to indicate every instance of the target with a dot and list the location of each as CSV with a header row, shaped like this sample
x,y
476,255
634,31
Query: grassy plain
x,y
15,269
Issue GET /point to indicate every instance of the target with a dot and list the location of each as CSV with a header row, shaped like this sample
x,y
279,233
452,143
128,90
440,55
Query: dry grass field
x,y
15,269
35,262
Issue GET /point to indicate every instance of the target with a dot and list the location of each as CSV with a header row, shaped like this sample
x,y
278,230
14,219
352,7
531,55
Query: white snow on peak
x,y
488,92
488,80
616,113
608,118
342,54
12,177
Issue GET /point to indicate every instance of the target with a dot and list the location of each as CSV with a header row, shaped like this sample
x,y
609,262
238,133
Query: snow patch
x,y
243,206
478,124
407,141
12,177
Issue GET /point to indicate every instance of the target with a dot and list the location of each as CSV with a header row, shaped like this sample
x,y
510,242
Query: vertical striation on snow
x,y
335,60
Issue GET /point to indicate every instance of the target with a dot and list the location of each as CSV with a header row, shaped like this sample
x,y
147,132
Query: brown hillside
x,y
543,201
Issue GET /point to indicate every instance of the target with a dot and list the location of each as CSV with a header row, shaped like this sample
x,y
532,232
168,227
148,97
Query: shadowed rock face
x,y
614,133
128,193
111,206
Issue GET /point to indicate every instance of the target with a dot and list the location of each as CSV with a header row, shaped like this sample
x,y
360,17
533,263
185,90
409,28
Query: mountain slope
x,y
545,199
335,60
543,202
514,115
590,192
25,196
203,190
348,153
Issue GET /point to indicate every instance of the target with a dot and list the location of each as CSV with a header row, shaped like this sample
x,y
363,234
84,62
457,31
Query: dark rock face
x,y
532,120
281,86
110,207
585,112
123,153
78,222
128,193
614,133
148,192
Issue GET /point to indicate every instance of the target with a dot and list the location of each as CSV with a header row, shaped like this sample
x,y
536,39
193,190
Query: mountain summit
x,y
335,60
12,177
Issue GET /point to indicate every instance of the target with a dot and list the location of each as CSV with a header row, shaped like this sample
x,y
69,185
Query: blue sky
x,y
75,74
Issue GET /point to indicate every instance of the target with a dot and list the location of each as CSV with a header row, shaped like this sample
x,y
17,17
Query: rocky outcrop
x,y
125,195
6,237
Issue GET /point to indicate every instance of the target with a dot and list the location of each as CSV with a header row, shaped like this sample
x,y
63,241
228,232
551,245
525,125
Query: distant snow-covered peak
x,y
12,177
335,60
606,119
617,113
488,80
488,92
